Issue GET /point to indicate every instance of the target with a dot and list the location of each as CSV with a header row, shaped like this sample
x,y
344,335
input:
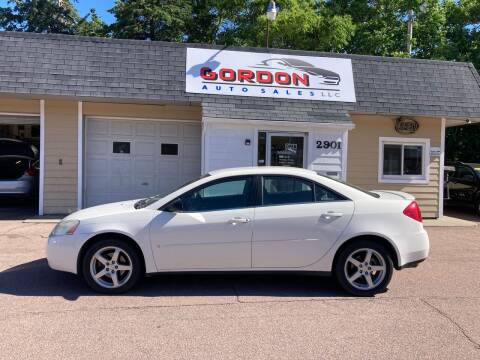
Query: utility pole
x,y
411,16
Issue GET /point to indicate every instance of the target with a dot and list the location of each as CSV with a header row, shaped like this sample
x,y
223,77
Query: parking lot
x,y
432,312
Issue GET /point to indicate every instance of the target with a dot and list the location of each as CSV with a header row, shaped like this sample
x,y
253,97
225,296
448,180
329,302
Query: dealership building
x,y
125,119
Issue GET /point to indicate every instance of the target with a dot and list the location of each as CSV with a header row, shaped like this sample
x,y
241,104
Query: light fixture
x,y
271,11
271,16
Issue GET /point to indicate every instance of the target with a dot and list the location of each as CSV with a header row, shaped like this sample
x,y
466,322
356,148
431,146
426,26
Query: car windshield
x,y
140,204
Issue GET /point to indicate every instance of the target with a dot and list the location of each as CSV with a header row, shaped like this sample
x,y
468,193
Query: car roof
x,y
258,170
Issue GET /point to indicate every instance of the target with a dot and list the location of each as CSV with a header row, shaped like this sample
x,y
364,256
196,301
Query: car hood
x,y
103,210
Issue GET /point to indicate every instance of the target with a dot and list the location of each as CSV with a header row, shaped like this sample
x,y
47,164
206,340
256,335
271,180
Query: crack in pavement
x,y
456,324
237,301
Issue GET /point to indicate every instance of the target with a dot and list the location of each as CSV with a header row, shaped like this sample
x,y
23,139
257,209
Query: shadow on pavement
x,y
464,213
37,279
18,208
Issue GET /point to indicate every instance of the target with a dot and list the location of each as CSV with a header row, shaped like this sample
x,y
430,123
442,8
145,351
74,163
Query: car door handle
x,y
331,214
239,220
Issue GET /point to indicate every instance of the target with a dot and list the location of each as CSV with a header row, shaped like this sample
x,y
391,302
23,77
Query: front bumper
x,y
62,253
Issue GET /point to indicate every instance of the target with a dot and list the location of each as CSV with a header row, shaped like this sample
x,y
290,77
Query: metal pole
x,y
268,31
410,32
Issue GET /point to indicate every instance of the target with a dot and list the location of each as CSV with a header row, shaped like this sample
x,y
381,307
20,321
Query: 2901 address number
x,y
329,144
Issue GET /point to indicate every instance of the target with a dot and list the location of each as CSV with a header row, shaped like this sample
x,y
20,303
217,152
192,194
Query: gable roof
x,y
42,65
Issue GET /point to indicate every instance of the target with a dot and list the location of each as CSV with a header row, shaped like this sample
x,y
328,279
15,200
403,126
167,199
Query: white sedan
x,y
246,219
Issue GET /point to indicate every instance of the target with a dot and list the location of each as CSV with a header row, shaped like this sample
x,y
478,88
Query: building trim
x,y
280,124
105,117
41,186
442,168
19,114
80,155
344,155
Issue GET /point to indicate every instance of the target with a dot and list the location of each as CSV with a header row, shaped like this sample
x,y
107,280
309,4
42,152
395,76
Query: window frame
x,y
404,179
251,201
259,191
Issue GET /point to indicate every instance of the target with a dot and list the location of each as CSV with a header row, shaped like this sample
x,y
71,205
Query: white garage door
x,y
131,159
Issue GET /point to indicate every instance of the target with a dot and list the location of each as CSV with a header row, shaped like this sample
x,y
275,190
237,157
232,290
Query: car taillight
x,y
31,171
413,211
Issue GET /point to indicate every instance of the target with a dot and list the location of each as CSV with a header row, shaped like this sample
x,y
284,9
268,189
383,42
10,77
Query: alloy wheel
x,y
111,267
365,269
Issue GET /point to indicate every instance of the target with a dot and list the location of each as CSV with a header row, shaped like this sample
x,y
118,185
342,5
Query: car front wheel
x,y
111,266
364,268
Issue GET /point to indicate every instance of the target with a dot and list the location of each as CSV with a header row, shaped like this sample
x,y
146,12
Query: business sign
x,y
404,125
284,76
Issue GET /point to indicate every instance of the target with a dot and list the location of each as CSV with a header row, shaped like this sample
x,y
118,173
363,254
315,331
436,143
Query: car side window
x,y
323,194
231,193
464,173
281,190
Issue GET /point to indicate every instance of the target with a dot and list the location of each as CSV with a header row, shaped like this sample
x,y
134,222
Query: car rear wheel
x,y
364,268
111,266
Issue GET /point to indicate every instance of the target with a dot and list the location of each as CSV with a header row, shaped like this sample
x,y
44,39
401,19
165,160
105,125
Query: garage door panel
x,y
145,129
145,171
145,148
144,166
98,147
121,127
97,184
192,131
144,185
121,184
169,130
121,167
190,151
96,166
97,127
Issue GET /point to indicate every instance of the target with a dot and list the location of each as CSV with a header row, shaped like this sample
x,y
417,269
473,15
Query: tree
x,y
92,25
151,19
43,16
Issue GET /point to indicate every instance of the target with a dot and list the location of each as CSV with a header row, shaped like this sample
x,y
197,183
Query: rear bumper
x,y
14,187
414,250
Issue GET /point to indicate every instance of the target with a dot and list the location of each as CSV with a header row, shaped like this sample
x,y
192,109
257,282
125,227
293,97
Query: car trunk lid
x,y
393,195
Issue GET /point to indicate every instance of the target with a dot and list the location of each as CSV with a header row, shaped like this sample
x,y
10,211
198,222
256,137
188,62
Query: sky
x,y
84,6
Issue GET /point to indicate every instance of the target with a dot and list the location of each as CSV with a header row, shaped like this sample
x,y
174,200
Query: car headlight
x,y
65,227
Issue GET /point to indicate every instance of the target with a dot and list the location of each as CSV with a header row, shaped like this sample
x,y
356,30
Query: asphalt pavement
x,y
431,312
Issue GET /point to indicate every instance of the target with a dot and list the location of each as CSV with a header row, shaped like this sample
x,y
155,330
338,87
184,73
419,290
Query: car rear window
x,y
12,167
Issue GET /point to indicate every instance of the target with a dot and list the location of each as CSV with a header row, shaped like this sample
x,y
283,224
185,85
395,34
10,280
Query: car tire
x,y
360,276
112,266
477,207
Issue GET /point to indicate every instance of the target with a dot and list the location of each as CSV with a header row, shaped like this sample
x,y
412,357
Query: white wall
x,y
225,147
224,144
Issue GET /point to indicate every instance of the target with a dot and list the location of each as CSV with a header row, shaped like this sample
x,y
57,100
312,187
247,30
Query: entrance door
x,y
286,149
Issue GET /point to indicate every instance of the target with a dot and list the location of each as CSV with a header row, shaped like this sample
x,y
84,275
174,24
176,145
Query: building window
x,y
403,160
262,149
169,149
121,147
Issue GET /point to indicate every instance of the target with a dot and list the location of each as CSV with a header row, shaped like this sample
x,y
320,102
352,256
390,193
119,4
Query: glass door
x,y
286,149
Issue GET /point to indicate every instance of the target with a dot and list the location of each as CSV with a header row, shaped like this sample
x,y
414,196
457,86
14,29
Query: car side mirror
x,y
174,207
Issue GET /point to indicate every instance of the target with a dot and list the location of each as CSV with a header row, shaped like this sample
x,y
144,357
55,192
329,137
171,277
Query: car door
x,y
207,228
462,184
297,222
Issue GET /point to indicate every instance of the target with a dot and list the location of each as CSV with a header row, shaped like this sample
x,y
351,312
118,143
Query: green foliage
x,y
151,19
39,16
92,25
462,143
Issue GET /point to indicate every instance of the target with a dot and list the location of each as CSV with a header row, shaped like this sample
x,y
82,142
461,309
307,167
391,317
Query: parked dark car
x,y
18,168
463,185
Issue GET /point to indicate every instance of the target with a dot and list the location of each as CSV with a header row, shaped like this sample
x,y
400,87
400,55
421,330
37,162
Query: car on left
x,y
19,168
